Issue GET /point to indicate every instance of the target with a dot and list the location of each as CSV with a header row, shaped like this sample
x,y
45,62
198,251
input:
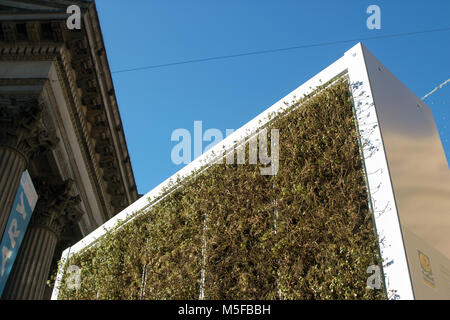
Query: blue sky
x,y
228,93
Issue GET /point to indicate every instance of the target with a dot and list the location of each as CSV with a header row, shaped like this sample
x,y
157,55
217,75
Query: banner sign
x,y
19,219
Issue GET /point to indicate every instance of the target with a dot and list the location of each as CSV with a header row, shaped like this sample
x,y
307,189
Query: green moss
x,y
326,238
305,233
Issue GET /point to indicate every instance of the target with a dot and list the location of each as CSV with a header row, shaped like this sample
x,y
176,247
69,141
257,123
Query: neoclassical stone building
x,y
59,119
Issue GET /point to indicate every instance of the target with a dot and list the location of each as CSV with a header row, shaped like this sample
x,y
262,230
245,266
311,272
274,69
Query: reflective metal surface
x,y
417,164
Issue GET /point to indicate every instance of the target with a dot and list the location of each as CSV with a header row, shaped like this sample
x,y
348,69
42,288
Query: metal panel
x,y
417,164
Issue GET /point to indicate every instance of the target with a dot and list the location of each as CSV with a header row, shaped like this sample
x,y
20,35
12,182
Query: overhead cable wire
x,y
436,89
320,44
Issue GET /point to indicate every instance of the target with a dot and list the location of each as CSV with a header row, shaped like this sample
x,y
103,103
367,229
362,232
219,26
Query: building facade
x,y
59,119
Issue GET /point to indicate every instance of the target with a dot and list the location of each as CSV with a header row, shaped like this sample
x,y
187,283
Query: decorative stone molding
x,y
66,155
95,115
21,128
57,31
9,31
84,136
57,207
33,31
84,72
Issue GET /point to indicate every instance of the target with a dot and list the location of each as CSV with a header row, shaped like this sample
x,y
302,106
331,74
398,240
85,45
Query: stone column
x,y
55,209
21,135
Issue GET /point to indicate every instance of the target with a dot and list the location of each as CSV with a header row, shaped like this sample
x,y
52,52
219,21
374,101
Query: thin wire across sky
x,y
321,44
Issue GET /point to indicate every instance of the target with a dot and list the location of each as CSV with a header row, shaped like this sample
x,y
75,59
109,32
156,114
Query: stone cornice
x,y
14,10
63,131
67,78
46,6
92,23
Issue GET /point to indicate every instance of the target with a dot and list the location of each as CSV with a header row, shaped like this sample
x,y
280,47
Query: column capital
x,y
57,206
21,128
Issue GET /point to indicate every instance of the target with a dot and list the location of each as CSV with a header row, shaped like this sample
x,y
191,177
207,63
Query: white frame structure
x,y
395,269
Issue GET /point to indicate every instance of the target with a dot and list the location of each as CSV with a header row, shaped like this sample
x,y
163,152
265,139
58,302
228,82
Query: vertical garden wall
x,y
229,232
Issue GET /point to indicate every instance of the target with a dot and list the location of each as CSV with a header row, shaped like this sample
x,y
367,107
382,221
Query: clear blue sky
x,y
228,93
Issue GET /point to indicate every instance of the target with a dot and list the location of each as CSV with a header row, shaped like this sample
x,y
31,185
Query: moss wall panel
x,y
304,233
239,235
175,247
112,269
326,239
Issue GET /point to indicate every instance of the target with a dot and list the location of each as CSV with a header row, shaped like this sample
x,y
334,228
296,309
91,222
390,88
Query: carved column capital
x,y
21,127
57,206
